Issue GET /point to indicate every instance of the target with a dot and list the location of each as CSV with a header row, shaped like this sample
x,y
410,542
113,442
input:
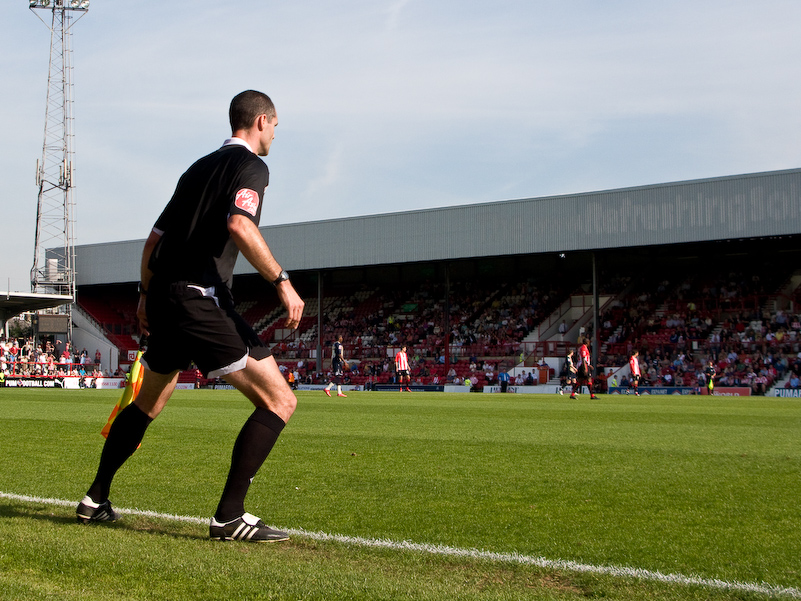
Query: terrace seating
x,y
491,319
113,308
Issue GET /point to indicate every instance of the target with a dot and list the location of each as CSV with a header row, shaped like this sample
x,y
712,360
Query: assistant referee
x,y
186,309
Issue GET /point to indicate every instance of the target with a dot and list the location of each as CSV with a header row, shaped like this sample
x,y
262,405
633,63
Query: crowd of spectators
x,y
488,319
48,359
677,319
725,318
676,326
749,370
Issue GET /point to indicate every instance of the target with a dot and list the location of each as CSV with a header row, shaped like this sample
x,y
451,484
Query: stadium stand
x,y
113,309
676,316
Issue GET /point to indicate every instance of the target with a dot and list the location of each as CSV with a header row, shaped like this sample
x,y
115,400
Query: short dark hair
x,y
248,105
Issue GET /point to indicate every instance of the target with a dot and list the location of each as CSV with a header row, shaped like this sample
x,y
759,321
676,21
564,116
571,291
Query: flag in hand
x,y
129,394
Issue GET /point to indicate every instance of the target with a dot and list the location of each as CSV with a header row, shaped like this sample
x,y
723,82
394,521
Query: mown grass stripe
x,y
554,564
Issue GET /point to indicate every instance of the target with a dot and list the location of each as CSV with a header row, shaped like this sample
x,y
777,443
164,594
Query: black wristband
x,y
141,289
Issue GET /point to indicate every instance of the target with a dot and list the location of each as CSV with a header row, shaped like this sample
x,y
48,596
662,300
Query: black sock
x,y
254,443
123,439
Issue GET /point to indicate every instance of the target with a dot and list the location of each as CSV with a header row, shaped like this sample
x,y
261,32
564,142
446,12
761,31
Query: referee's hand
x,y
292,303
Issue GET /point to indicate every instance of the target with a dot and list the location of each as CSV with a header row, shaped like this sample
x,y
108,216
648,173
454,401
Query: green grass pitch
x,y
704,488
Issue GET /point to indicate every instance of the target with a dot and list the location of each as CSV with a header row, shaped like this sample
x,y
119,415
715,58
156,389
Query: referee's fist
x,y
292,303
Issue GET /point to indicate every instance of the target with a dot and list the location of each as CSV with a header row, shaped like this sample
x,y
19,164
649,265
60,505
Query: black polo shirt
x,y
195,245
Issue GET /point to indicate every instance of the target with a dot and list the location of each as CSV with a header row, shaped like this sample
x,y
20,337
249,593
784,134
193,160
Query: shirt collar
x,y
239,141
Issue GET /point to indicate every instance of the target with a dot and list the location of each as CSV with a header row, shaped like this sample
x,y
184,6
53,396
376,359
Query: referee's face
x,y
266,136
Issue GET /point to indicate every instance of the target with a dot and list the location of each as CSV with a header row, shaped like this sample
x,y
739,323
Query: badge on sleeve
x,y
247,200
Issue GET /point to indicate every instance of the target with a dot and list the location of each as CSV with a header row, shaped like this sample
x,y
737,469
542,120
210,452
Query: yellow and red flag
x,y
129,394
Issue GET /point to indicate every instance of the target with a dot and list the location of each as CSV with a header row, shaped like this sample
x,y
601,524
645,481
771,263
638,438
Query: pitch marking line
x,y
553,564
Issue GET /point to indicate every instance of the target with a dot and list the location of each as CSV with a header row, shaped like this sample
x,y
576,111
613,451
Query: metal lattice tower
x,y
53,270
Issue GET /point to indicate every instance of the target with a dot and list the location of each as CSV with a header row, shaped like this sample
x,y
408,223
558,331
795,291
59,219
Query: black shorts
x,y
337,367
403,373
189,323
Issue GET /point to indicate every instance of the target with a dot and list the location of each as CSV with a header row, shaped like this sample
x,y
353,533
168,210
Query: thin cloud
x,y
329,175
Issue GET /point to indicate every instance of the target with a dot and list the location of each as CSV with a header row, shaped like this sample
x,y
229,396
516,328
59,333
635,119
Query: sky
x,y
396,105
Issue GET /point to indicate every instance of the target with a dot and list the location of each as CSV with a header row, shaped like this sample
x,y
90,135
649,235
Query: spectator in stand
x,y
760,384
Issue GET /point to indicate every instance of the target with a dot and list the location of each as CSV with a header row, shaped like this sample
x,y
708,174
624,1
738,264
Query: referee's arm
x,y
144,279
251,244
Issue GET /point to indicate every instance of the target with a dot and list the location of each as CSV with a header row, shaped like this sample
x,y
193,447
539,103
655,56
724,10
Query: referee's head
x,y
248,105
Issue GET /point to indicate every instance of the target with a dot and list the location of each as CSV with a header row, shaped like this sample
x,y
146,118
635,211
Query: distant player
x,y
584,374
710,372
570,372
402,368
338,364
634,365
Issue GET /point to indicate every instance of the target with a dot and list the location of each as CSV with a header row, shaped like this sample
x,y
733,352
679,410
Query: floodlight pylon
x,y
53,268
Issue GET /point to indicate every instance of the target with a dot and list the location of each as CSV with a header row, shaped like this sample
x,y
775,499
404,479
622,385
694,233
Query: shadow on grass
x,y
132,523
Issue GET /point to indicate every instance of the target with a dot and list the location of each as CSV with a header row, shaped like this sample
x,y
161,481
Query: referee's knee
x,y
289,400
281,402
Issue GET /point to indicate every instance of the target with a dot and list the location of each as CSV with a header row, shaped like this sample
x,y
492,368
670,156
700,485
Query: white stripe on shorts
x,y
211,292
229,369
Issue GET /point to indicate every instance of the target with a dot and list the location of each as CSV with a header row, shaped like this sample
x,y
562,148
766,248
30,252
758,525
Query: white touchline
x,y
554,564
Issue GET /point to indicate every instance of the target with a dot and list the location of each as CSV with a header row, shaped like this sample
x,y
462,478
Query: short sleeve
x,y
248,190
